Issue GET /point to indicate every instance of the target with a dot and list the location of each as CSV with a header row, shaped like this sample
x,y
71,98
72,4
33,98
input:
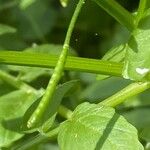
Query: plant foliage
x,y
91,92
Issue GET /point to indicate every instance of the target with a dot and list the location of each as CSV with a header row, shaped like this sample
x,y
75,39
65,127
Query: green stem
x,y
72,63
15,82
127,92
141,10
40,110
118,12
65,112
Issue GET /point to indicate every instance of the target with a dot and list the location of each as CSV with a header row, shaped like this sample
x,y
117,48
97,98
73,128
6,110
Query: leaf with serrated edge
x,y
95,127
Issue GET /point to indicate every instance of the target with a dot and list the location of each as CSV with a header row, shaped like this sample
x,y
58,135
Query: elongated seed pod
x,y
46,100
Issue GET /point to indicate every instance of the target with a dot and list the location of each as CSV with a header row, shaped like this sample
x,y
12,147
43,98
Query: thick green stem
x,y
72,63
118,12
15,82
65,112
40,110
129,91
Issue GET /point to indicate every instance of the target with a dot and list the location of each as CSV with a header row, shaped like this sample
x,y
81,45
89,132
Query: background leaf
x,y
47,121
116,54
26,3
12,108
6,29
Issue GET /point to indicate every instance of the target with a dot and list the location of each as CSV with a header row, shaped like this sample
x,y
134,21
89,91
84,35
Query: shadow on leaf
x,y
107,131
13,124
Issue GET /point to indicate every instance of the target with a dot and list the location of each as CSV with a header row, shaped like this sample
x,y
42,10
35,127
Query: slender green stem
x,y
15,82
129,91
73,21
141,10
40,110
65,112
72,63
118,12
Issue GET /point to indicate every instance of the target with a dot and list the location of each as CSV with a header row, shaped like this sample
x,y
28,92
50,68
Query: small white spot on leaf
x,y
142,71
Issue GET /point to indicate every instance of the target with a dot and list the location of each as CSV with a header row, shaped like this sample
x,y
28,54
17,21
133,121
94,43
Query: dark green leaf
x,y
6,29
135,117
12,108
35,24
145,134
48,119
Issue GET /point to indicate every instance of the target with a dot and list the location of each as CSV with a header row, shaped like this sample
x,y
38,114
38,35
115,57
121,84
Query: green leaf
x,y
47,121
135,117
6,29
95,127
137,63
116,54
36,21
12,108
145,134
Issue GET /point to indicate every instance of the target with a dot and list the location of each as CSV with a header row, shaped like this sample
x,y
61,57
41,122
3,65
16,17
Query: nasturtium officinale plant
x,y
89,104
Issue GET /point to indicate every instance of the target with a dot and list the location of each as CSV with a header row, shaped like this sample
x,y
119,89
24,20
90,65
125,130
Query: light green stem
x,y
72,63
40,110
15,82
127,92
65,112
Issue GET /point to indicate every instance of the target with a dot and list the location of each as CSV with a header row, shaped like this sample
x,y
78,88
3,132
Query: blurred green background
x,y
46,21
